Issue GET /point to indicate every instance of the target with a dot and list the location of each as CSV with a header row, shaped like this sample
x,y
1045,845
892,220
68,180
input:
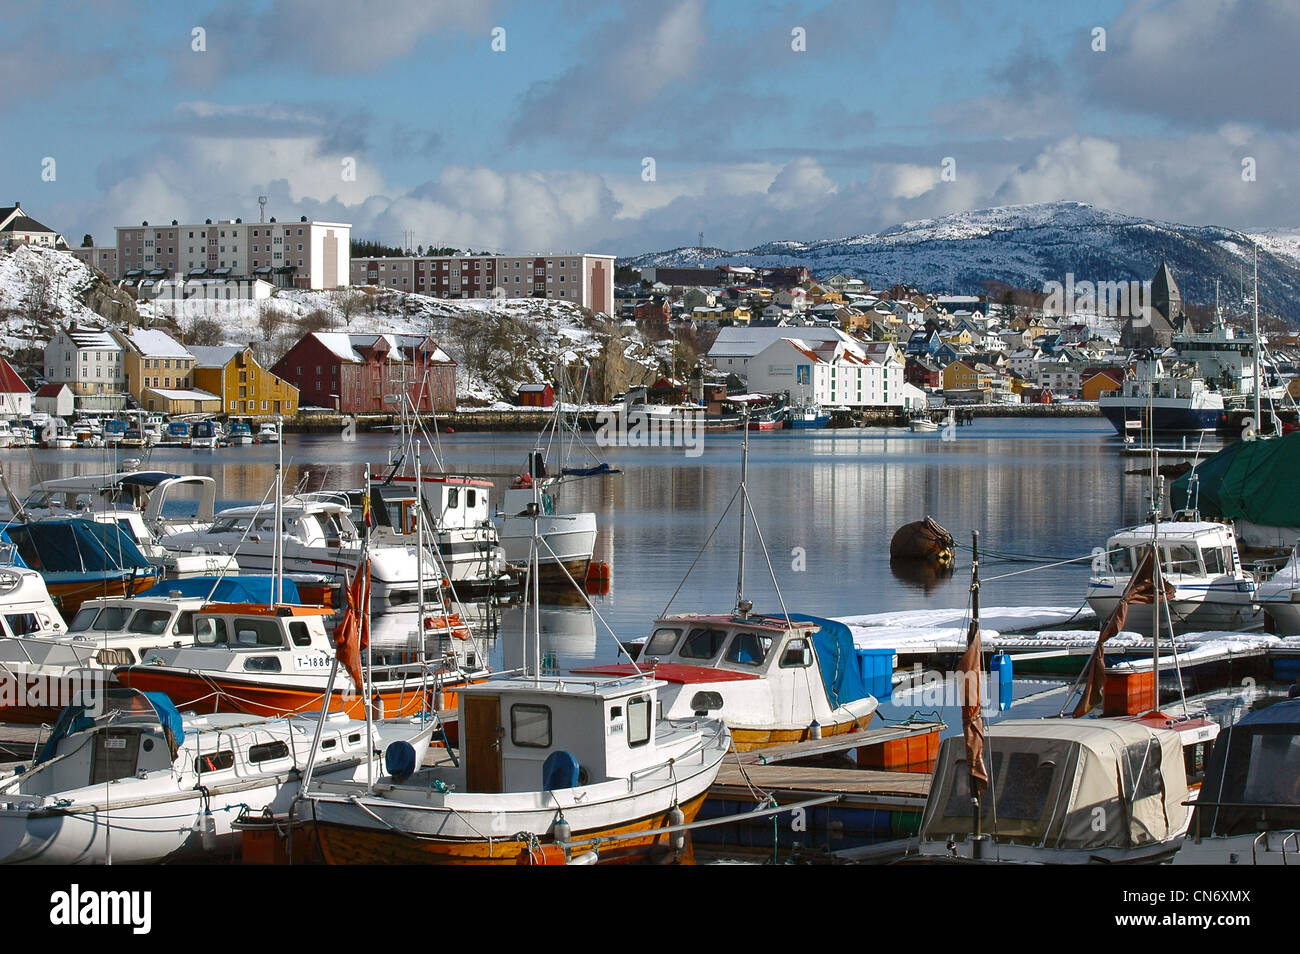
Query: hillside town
x,y
724,337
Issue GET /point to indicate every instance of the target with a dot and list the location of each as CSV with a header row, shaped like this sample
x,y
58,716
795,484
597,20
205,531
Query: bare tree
x,y
268,319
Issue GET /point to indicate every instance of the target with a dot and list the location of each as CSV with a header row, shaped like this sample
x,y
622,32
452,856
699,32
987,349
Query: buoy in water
x,y
922,540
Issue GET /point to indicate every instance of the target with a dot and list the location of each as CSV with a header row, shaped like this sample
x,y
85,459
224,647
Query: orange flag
x,y
969,672
353,633
1141,589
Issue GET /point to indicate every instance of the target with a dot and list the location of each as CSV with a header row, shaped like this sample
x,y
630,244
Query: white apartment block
x,y
832,374
298,254
86,360
585,279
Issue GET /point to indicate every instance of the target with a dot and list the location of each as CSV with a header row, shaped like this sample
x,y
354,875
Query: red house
x,y
536,395
923,373
654,308
364,373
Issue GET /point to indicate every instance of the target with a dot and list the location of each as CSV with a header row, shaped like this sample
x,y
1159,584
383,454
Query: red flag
x,y
353,632
969,672
1141,589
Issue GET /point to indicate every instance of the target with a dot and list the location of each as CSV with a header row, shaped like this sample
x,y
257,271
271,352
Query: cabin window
x,y
1183,560
1121,561
210,631
749,649
796,655
214,761
20,624
662,642
150,622
262,664
81,622
702,644
1141,767
1213,562
453,498
638,721
185,624
470,499
298,630
109,619
258,632
267,751
231,525
530,726
1022,792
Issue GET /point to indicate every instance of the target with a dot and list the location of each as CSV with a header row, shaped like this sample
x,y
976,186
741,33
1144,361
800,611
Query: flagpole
x,y
977,839
368,675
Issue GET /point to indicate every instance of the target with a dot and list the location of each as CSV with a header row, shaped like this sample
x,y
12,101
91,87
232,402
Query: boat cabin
x,y
529,734
311,523
25,605
455,503
1187,549
255,638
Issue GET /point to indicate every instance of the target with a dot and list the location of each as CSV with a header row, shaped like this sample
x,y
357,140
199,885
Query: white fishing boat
x,y
1061,791
268,433
568,539
261,659
1248,811
1213,591
125,778
773,678
922,425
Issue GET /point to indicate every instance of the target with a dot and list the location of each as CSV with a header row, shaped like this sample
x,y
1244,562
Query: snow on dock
x,y
1026,631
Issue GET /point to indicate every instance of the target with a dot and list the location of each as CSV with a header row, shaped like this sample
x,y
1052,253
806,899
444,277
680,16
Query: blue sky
x,y
543,145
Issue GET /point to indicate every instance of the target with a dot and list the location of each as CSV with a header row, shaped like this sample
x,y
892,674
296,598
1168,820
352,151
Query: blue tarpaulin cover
x,y
237,589
75,545
78,716
837,657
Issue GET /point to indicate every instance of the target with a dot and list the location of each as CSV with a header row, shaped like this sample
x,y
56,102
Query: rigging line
x,y
586,599
707,541
1045,566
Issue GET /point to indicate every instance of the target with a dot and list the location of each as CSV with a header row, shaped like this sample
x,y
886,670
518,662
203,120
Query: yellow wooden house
x,y
245,387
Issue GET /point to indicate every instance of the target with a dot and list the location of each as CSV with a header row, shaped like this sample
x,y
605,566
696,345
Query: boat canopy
x,y
240,589
837,658
1253,480
1064,784
1254,774
154,707
75,545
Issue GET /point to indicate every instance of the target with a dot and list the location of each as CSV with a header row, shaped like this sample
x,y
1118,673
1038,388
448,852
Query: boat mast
x,y
534,569
1157,496
744,513
277,546
419,546
1255,350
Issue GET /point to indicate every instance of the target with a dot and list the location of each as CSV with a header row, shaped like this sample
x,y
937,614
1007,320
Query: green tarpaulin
x,y
1254,480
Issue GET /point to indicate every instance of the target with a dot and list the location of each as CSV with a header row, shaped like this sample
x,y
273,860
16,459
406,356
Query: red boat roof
x,y
444,479
1161,720
669,672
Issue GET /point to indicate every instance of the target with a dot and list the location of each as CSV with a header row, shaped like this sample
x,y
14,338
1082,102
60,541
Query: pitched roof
x,y
50,390
24,223
156,344
10,382
184,394
93,338
213,356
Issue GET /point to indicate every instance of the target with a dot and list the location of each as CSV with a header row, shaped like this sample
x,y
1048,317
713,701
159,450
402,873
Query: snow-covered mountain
x,y
1029,245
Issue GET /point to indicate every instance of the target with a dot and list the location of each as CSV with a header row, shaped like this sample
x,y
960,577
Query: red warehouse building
x,y
359,373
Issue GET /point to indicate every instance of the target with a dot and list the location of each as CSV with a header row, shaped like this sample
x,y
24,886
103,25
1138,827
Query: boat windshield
x,y
1182,560
99,620
1121,561
702,644
1261,780
749,649
662,642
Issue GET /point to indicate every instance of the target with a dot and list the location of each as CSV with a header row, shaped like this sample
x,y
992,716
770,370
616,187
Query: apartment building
x,y
89,361
298,254
584,279
103,257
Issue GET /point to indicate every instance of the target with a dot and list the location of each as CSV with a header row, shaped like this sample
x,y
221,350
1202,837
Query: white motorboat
x,y
1279,595
316,536
125,778
268,433
1061,791
1248,811
1213,591
922,425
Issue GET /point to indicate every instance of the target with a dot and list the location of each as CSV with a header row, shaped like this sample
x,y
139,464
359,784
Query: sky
x,y
626,127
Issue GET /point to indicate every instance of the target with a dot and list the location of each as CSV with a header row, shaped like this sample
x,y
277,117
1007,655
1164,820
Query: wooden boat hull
x,y
745,740
349,845
207,693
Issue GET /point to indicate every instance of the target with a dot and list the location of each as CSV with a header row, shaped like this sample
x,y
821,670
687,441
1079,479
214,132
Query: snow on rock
x,y
37,279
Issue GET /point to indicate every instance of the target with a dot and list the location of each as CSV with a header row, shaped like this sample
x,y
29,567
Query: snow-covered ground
x,y
33,277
